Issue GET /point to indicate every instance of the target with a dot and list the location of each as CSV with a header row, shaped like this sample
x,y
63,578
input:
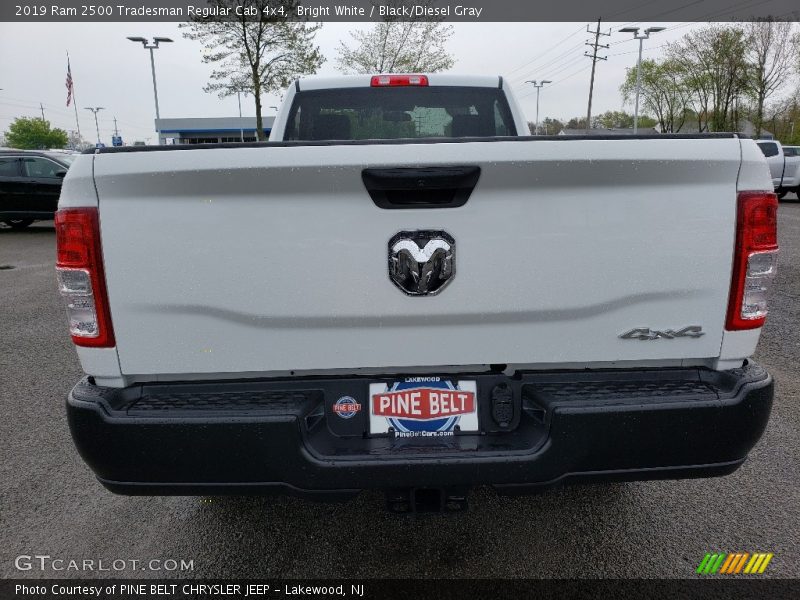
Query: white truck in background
x,y
784,167
402,291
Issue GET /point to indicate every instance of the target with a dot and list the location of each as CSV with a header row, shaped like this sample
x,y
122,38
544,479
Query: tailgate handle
x,y
421,187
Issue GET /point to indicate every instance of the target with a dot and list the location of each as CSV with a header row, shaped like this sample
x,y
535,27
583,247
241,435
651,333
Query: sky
x,y
112,72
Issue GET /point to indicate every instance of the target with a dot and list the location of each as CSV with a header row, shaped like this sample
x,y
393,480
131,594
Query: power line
x,y
713,15
618,42
554,61
551,62
31,106
630,8
51,108
550,74
557,68
710,16
635,51
565,66
563,79
561,69
580,29
560,63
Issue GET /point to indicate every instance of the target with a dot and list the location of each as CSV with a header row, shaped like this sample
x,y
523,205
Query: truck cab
x,y
784,167
361,107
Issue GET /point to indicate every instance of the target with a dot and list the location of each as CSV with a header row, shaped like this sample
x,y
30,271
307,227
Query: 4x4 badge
x,y
645,333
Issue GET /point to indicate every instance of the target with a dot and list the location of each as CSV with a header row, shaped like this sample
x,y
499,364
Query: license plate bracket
x,y
423,407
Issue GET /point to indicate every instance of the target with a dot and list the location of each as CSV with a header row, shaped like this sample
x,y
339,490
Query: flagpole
x,y
74,101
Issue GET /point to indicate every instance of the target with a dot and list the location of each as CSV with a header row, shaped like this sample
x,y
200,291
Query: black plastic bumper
x,y
282,436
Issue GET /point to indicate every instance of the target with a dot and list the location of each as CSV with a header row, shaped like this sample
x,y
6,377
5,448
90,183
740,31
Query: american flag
x,y
70,89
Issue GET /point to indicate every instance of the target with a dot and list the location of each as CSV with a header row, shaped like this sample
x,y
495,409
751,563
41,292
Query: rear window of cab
x,y
768,148
398,113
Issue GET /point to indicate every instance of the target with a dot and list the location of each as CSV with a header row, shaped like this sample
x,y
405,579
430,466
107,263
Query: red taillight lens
x,y
81,280
398,80
755,259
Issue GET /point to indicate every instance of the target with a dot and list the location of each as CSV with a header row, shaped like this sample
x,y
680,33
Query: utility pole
x,y
595,46
42,109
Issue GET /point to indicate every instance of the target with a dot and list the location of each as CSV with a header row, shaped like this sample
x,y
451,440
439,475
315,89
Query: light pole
x,y
641,38
153,46
96,110
241,128
538,87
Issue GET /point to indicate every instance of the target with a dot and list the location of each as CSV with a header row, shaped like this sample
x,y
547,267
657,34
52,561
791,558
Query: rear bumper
x,y
282,436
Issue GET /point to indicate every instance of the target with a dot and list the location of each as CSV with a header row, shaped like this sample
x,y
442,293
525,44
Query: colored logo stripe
x,y
740,564
711,563
758,563
732,558
734,563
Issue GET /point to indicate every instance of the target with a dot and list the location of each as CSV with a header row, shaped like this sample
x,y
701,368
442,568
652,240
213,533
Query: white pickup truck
x,y
402,291
784,167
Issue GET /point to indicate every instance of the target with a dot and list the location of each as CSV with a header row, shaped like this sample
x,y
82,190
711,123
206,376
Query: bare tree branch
x,y
258,51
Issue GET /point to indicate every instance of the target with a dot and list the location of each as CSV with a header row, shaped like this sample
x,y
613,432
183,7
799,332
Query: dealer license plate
x,y
423,407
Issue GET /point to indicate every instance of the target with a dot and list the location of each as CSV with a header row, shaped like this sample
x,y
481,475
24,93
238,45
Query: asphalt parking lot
x,y
50,503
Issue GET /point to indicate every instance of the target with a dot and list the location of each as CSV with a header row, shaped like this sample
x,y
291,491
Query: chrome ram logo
x,y
422,263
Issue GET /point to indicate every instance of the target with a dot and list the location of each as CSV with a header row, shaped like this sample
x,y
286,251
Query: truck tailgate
x,y
274,258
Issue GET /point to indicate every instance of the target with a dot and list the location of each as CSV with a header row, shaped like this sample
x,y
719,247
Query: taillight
x,y
398,80
81,281
755,259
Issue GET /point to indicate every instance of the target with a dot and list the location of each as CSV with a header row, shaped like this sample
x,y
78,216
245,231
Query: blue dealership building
x,y
210,130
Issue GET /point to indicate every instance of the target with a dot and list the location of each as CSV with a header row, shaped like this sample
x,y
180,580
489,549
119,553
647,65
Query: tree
x,y
783,119
394,46
258,51
772,53
34,134
698,85
663,92
713,62
576,123
611,119
549,126
76,142
619,119
796,43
